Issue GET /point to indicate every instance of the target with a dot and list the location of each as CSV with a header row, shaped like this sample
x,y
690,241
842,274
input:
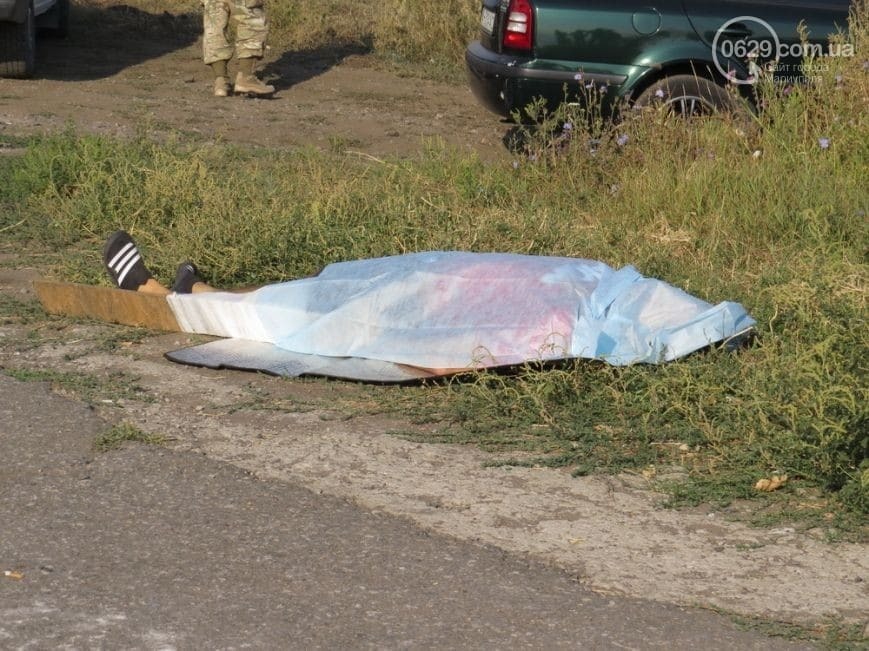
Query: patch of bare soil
x,y
135,72
608,531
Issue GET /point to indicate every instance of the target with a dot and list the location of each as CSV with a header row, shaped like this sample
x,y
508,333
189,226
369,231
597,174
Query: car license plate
x,y
487,20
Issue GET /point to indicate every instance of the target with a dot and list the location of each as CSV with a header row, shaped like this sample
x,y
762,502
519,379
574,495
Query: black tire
x,y
55,22
18,46
688,95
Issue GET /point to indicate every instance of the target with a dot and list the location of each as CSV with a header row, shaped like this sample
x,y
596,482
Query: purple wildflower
x,y
622,140
824,143
660,93
578,76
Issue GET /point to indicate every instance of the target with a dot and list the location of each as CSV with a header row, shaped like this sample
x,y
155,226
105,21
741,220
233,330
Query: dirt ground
x,y
609,531
157,83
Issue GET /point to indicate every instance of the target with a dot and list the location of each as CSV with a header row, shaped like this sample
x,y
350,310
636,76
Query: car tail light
x,y
519,30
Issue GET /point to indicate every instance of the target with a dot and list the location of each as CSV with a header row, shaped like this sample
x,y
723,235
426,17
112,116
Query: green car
x,y
681,53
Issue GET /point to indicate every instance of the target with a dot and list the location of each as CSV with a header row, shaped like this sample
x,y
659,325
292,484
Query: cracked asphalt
x,y
149,548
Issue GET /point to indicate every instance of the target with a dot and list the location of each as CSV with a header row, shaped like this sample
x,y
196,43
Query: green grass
x,y
92,389
831,635
13,310
754,211
117,435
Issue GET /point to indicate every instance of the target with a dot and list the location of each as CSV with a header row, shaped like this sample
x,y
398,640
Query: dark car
x,y
19,22
684,54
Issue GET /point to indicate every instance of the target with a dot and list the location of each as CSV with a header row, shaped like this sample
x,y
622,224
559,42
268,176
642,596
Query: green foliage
x,y
769,211
831,634
117,435
86,387
13,310
426,32
320,24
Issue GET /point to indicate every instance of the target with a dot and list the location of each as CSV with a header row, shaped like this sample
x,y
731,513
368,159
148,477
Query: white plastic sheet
x,y
455,310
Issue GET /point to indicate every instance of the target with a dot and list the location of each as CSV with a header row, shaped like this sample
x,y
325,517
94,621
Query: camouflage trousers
x,y
251,29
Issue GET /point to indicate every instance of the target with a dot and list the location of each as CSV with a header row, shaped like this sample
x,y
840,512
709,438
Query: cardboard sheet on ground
x,y
425,314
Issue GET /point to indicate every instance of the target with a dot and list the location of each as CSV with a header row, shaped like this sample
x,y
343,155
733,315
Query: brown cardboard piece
x,y
106,304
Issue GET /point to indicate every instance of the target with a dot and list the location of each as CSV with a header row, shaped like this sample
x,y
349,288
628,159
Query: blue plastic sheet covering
x,y
457,310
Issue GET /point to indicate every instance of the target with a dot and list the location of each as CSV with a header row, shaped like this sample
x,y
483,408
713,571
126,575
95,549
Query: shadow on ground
x,y
105,41
297,66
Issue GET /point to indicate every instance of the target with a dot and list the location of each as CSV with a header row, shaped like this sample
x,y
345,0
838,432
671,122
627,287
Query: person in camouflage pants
x,y
251,28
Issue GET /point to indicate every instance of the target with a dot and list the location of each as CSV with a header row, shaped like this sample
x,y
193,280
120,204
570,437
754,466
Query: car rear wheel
x,y
18,46
687,95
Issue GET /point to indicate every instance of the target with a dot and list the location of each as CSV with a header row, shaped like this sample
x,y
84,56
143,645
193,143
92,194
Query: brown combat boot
x,y
221,86
221,79
246,81
250,85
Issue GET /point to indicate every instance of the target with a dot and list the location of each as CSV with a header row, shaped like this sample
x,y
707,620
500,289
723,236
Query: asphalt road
x,y
148,548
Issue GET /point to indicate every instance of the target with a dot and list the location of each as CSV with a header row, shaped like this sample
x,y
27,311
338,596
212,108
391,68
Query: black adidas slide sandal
x,y
186,276
124,262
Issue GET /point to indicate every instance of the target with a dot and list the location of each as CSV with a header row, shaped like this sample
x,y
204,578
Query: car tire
x,y
687,95
56,20
18,45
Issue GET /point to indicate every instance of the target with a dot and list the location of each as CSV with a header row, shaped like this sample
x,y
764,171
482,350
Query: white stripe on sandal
x,y
123,274
120,254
